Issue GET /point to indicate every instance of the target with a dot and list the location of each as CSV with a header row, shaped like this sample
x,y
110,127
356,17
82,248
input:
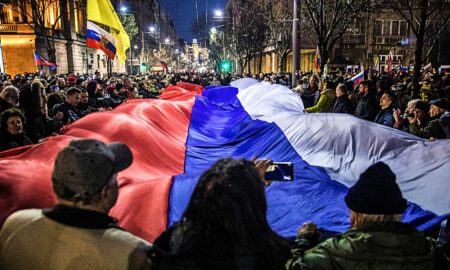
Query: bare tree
x,y
328,20
428,20
37,14
277,14
248,30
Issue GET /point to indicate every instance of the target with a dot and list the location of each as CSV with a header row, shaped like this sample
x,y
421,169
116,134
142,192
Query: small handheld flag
x,y
41,61
98,38
358,78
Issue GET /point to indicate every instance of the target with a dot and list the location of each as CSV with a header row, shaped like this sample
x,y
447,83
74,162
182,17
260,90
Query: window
x,y
395,28
378,27
386,28
52,15
403,29
98,61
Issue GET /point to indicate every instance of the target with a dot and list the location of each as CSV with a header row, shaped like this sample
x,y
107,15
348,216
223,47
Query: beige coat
x,y
30,240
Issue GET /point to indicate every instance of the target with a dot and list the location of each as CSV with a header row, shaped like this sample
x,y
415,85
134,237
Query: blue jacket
x,y
385,117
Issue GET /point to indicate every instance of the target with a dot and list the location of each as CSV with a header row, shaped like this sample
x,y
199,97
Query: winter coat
x,y
173,252
367,108
64,238
432,129
10,141
309,98
385,117
342,104
386,246
325,102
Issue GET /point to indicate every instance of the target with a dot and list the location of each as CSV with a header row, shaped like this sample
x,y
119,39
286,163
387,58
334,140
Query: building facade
x,y
65,26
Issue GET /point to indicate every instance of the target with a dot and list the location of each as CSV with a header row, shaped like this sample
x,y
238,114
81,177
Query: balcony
x,y
16,29
353,39
388,40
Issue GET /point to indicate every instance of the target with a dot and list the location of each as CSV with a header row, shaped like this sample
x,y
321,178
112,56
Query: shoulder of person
x,y
21,218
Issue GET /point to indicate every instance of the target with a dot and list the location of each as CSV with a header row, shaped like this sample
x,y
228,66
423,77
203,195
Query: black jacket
x,y
70,112
173,252
9,141
367,108
4,105
342,104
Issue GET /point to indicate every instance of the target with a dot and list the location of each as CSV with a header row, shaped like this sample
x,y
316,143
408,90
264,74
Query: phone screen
x,y
280,171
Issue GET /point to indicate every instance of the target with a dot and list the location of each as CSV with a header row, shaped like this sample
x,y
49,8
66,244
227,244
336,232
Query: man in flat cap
x,y
77,233
377,239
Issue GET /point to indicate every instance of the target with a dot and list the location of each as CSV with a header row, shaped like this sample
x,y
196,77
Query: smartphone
x,y
280,171
54,88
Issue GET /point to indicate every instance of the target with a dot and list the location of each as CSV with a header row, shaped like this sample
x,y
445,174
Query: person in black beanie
x,y
377,238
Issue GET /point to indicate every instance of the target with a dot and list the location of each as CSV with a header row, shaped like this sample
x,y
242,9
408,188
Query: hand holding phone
x,y
280,171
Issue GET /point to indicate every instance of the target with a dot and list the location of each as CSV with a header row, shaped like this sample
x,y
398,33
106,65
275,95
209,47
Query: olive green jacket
x,y
432,130
325,102
384,246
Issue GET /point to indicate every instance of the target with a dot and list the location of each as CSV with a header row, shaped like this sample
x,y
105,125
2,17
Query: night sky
x,y
183,12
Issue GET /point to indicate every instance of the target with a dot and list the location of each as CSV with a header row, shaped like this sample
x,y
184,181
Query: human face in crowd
x,y
421,115
74,99
99,88
385,101
61,83
14,98
435,111
84,97
110,193
128,83
312,82
14,125
339,91
363,89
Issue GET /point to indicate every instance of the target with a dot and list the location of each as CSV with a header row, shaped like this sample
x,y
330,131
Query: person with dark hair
x,y
224,225
385,116
422,126
84,107
310,94
326,100
77,233
38,124
377,238
367,105
428,127
12,132
70,107
342,104
9,97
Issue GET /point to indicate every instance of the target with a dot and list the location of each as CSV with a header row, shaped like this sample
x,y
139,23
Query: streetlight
x,y
152,29
123,9
218,13
135,47
167,41
213,30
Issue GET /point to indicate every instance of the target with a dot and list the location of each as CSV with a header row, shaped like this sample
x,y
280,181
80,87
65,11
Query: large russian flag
x,y
98,38
176,138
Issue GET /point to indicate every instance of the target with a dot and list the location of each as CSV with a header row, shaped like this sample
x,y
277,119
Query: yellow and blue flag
x,y
102,11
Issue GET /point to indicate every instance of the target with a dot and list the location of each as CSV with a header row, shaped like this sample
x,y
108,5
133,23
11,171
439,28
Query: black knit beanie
x,y
423,106
376,192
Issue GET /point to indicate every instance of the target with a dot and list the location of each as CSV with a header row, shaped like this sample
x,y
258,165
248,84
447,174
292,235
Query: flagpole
x,y
295,44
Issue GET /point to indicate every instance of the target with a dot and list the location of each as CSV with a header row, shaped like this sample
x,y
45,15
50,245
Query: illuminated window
x,y
52,14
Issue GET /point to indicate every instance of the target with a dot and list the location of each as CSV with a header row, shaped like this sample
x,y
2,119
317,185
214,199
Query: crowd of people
x,y
387,101
33,107
224,225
